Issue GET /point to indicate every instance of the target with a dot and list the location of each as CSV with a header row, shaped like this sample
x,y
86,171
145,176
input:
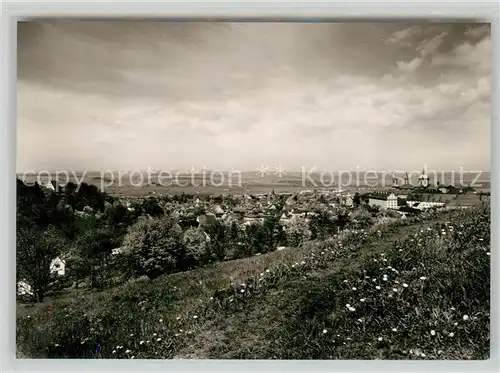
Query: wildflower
x,y
128,351
354,289
380,339
141,342
154,334
348,305
395,290
114,351
488,253
131,335
394,330
352,309
242,290
452,308
405,285
433,332
362,299
377,287
195,317
161,320
178,317
211,298
345,281
455,323
325,331
133,357
360,320
466,317
262,274
451,334
374,280
423,278
375,260
385,279
158,340
267,270
176,334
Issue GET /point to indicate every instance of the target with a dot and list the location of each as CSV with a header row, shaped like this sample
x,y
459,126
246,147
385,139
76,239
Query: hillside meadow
x,y
415,289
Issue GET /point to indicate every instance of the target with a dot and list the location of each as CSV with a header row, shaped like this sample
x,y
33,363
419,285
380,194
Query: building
x,y
423,179
424,205
58,266
23,288
384,201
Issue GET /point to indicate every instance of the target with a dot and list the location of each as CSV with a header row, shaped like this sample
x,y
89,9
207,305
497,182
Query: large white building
x,y
385,202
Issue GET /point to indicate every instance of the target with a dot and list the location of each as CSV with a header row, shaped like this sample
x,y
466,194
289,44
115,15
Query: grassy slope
x,y
282,313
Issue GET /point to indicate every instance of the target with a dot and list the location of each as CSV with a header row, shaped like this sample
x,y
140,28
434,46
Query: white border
x,y
284,10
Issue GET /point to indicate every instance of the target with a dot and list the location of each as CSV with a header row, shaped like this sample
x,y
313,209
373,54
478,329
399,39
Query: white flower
x,y
178,317
195,317
452,308
465,317
433,332
345,281
362,299
354,289
211,298
375,260
423,278
133,357
451,334
488,253
242,290
360,320
377,287
114,351
348,305
422,354
158,340
455,323
161,320
352,309
141,342
380,339
128,351
267,270
385,279
405,285
325,331
131,335
395,290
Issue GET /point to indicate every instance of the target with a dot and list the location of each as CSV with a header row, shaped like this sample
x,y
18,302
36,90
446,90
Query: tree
x,y
297,231
90,255
153,247
356,199
196,245
36,248
321,225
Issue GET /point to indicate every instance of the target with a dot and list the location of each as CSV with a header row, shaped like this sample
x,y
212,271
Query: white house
x,y
24,288
58,266
392,201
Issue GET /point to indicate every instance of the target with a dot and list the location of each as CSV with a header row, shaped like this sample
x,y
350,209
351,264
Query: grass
x,y
292,304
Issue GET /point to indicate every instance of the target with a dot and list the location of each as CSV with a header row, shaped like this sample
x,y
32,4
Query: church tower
x,y
423,179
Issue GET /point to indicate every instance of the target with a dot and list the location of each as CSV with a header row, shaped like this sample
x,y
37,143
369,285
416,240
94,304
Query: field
x,y
407,290
140,184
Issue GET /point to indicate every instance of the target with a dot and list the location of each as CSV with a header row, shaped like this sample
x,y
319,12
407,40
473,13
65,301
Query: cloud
x,y
128,95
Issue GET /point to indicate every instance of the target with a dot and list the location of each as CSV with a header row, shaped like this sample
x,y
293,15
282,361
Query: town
x,y
302,213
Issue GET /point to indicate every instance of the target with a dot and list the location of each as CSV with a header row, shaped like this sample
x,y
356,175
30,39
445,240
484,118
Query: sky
x,y
334,96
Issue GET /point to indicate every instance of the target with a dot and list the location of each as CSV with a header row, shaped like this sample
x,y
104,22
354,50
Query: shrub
x,y
153,247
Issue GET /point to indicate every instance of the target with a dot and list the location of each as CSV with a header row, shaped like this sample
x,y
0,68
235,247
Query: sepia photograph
x,y
253,190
